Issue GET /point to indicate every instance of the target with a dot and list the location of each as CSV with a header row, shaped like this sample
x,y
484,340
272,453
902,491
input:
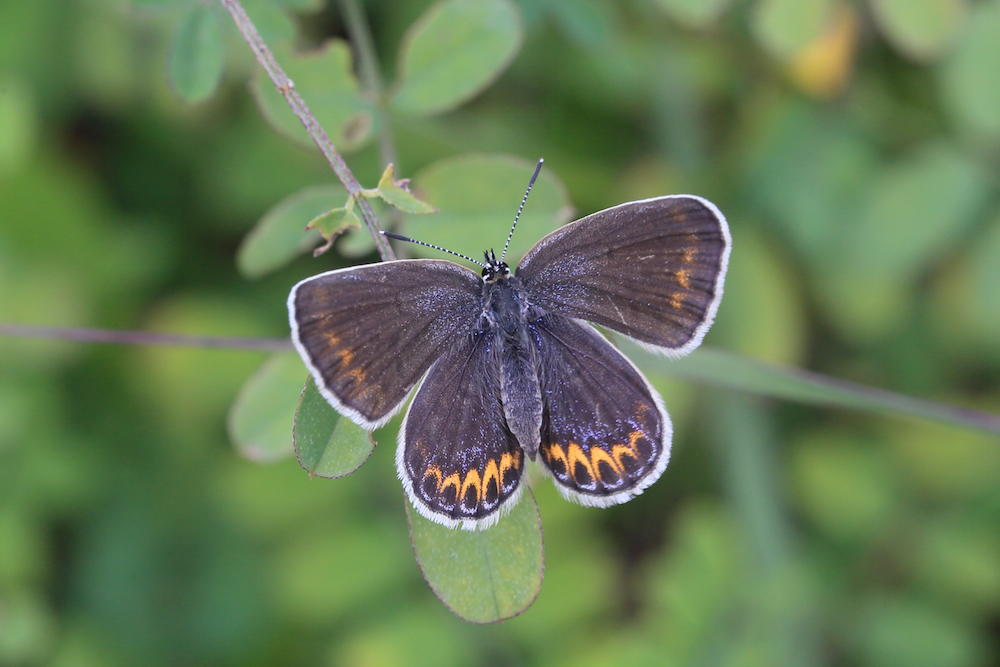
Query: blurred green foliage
x,y
853,147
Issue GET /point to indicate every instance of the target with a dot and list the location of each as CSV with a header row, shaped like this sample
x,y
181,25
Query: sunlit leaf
x,y
260,420
454,51
477,197
694,13
327,444
399,197
972,76
197,54
280,235
921,29
326,83
483,575
785,27
823,67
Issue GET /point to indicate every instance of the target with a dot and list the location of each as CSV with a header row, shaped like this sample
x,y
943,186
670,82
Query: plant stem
x,y
287,88
144,338
371,76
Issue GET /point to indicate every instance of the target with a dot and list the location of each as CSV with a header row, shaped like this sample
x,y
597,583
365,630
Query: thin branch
x,y
287,88
144,338
371,75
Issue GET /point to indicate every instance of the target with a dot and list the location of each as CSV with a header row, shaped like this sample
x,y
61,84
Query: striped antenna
x,y
400,237
538,168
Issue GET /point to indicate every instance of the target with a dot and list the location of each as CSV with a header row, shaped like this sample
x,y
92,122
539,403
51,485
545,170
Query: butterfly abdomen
x,y
519,390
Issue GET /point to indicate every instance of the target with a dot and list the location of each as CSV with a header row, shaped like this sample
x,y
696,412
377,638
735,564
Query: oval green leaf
x,y
920,29
325,81
477,197
260,420
327,444
271,22
454,51
785,27
483,576
280,236
197,54
972,77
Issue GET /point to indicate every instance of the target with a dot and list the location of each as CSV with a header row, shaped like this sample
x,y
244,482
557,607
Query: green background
x,y
854,148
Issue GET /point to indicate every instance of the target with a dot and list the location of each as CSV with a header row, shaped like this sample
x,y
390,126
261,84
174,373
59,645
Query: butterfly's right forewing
x,y
369,333
651,269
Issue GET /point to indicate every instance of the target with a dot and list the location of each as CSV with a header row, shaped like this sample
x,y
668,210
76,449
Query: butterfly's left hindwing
x,y
458,461
369,333
605,434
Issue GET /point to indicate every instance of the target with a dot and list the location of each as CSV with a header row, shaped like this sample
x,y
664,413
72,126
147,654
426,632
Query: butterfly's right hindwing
x,y
369,333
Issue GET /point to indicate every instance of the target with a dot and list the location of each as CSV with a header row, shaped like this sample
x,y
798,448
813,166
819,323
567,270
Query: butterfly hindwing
x,y
458,461
369,333
605,434
651,269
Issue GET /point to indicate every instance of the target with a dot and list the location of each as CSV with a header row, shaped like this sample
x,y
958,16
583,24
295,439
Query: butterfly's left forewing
x,y
605,433
458,461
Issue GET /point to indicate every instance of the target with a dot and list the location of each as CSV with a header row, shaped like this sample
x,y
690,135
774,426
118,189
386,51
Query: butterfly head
x,y
494,269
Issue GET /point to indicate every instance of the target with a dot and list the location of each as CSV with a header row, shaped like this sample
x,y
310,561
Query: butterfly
x,y
508,364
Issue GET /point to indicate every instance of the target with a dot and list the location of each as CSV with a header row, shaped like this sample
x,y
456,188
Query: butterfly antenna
x,y
400,237
538,168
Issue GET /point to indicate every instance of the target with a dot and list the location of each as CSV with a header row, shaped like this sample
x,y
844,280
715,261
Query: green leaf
x,y
694,13
260,420
454,51
733,371
921,29
972,77
327,85
400,198
478,196
327,444
197,54
483,576
785,27
271,22
280,235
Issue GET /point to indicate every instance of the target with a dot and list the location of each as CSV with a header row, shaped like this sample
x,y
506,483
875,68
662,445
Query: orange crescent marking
x,y
472,479
554,451
491,471
436,473
688,255
597,455
450,480
346,357
576,454
629,450
358,375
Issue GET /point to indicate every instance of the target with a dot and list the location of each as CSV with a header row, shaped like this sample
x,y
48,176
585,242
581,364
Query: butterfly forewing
x,y
651,269
605,434
457,459
369,333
